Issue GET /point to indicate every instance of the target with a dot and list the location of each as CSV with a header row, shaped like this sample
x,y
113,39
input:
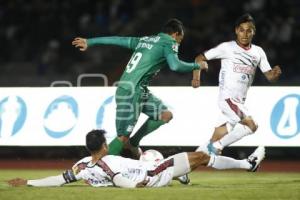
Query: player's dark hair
x,y
173,26
243,19
95,139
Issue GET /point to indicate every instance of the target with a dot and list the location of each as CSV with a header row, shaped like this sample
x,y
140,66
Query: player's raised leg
x,y
149,126
237,123
158,114
242,129
246,127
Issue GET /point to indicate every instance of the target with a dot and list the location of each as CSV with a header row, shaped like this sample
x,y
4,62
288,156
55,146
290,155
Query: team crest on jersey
x,y
255,60
175,47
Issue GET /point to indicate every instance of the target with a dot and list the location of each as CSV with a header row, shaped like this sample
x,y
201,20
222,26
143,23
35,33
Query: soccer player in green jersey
x,y
150,55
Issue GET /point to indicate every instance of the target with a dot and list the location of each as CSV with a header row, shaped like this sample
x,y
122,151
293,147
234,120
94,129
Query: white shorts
x,y
232,112
179,166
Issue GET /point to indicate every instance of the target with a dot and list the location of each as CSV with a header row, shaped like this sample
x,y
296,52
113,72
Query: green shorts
x,y
130,104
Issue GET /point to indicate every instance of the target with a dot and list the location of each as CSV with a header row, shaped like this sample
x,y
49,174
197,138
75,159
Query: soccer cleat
x,y
213,150
184,179
256,157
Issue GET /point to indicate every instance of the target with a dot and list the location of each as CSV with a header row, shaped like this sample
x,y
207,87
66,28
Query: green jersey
x,y
151,54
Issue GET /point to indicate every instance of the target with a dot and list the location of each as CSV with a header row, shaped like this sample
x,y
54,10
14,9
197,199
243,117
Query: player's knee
x,y
251,124
123,138
166,116
197,159
202,158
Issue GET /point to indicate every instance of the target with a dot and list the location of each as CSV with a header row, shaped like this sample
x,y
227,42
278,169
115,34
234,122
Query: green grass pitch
x,y
205,185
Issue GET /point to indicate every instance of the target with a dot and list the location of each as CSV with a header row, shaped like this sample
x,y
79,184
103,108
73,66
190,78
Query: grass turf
x,y
205,185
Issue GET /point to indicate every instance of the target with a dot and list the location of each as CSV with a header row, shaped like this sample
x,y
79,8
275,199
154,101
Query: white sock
x,y
239,131
222,162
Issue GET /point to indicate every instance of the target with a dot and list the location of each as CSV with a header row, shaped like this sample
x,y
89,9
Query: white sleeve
x,y
123,182
83,160
81,175
48,181
217,52
66,177
264,63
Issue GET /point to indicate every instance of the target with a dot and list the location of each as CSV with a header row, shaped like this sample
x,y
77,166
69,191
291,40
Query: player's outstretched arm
x,y
181,66
67,177
127,42
43,182
273,74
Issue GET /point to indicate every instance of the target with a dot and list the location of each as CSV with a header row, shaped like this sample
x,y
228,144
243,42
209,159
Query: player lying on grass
x,y
101,169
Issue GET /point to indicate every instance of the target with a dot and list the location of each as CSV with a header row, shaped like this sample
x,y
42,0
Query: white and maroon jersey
x,y
102,172
85,170
238,66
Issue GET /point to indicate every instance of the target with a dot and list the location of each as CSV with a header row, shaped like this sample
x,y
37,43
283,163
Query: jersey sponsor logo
x,y
13,113
245,69
144,45
94,181
61,116
150,39
175,47
285,117
134,171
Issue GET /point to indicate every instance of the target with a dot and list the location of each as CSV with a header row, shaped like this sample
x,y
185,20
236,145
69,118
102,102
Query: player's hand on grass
x,y
80,43
17,182
142,183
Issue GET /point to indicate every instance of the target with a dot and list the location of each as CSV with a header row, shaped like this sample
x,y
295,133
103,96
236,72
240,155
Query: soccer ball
x,y
151,155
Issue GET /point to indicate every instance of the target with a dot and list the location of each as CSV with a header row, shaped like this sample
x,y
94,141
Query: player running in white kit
x,y
239,60
101,170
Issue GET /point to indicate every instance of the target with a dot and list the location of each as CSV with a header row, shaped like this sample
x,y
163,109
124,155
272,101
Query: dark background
x,y
36,36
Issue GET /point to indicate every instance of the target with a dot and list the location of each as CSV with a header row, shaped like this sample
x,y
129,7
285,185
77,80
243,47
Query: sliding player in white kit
x,y
239,60
100,169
